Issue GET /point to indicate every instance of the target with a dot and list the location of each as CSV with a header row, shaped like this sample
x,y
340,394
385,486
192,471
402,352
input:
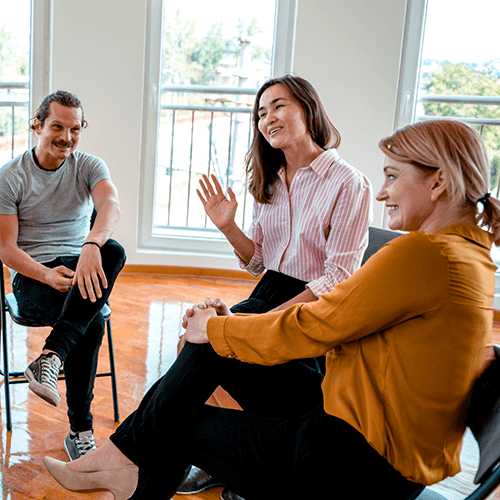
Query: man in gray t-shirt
x,y
62,269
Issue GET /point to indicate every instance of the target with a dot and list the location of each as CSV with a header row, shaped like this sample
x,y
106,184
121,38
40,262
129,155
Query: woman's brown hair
x,y
262,160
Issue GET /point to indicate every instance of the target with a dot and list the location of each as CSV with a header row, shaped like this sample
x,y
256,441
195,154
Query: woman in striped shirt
x,y
312,209
309,228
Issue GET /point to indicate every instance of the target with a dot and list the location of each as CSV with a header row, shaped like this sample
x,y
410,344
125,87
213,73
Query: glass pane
x,y
461,57
14,77
213,63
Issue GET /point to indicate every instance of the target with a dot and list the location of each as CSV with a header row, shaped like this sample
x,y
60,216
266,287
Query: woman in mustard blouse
x,y
404,338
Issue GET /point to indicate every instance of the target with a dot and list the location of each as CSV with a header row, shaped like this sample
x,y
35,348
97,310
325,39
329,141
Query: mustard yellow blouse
x,y
404,337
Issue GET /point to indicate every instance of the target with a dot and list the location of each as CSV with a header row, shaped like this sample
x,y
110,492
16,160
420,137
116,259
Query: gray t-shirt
x,y
53,206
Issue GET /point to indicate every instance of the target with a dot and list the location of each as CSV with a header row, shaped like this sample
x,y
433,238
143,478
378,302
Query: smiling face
x,y
410,196
281,118
59,136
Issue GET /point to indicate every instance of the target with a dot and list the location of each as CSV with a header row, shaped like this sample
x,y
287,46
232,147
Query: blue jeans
x,y
77,327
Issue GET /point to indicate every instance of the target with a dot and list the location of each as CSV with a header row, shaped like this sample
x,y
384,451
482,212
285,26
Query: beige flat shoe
x,y
121,482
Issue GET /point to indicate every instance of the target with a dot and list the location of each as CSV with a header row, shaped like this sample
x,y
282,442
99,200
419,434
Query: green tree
x,y
6,50
188,58
464,79
208,53
495,172
13,55
179,40
247,33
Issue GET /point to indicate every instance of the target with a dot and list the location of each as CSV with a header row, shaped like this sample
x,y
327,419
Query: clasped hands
x,y
196,318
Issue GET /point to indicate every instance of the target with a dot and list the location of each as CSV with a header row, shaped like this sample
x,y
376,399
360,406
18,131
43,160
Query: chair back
x,y
377,238
484,421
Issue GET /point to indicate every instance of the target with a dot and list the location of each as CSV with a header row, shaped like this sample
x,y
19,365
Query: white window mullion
x,y
284,37
409,71
41,52
151,105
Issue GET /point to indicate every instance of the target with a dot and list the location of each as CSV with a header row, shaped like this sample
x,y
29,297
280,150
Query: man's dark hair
x,y
61,97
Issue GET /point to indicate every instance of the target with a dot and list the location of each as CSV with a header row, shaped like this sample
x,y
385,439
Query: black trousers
x,y
256,456
275,289
78,327
272,290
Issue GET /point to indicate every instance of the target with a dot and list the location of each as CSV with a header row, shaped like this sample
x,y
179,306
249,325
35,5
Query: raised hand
x,y
218,207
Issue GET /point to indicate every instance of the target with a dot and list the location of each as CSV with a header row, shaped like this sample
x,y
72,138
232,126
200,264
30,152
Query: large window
x,y
206,62
25,69
15,29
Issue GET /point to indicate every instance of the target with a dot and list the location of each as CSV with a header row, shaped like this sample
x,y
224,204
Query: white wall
x,y
98,53
348,49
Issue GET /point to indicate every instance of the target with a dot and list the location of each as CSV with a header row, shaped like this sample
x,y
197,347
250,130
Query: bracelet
x,y
92,243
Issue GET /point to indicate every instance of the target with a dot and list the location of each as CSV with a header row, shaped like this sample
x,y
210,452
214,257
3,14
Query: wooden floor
x,y
146,313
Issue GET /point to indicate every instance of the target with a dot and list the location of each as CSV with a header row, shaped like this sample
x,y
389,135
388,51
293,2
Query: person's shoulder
x,y
340,169
81,158
418,245
17,166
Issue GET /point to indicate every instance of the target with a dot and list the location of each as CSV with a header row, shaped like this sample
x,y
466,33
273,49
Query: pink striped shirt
x,y
318,230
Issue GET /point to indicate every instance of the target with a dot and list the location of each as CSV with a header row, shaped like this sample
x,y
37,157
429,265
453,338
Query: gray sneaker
x,y
42,375
78,445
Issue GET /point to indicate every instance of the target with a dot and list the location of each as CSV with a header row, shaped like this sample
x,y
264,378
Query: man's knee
x,y
113,253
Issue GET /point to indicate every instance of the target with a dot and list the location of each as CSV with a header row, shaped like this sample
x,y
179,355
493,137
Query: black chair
x,y
9,304
483,419
378,237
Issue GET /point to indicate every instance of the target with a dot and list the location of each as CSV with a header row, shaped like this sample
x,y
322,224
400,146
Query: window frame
x,y
40,53
283,50
411,58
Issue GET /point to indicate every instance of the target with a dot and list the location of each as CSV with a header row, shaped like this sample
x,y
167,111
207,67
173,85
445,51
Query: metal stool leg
x,y
113,372
6,375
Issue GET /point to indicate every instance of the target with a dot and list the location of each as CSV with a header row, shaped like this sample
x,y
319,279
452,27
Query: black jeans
x,y
258,457
275,289
78,327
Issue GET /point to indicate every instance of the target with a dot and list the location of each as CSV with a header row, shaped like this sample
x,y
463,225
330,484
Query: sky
x,y
15,15
462,30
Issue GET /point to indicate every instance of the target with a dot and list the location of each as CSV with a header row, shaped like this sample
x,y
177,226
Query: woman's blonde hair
x,y
456,149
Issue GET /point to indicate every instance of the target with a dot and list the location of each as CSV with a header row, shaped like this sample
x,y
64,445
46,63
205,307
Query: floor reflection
x,y
164,330
146,316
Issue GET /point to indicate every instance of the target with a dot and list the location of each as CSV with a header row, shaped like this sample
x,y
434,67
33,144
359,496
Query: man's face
x,y
59,136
